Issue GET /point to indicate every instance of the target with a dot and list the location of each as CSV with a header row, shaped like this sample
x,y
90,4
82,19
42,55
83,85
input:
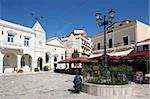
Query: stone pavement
x,y
46,85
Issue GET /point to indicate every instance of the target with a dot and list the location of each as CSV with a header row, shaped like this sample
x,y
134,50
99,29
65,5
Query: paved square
x,y
46,85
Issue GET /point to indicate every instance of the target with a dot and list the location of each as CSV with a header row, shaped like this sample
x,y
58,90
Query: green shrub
x,y
124,69
95,80
75,54
113,69
115,81
96,68
20,71
119,82
46,68
86,70
36,69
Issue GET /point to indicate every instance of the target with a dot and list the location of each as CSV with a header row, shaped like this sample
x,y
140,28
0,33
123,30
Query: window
x,y
65,54
55,59
26,41
2,32
61,57
10,38
110,43
145,47
125,40
22,61
98,46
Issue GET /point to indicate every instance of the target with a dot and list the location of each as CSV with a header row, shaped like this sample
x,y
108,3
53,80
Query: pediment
x,y
55,42
37,26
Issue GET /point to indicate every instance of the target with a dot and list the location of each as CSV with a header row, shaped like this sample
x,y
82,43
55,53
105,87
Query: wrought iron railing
x,y
120,44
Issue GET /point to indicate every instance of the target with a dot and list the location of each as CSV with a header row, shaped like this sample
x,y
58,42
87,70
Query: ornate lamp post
x,y
106,22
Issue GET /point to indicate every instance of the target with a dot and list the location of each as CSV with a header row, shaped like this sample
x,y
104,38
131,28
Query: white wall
x,y
56,49
36,46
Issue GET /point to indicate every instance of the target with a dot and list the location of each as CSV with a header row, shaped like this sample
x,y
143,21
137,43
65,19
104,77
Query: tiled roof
x,y
78,60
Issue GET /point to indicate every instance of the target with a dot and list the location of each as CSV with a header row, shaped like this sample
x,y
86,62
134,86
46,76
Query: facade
x,y
121,38
143,62
77,40
21,47
143,45
56,52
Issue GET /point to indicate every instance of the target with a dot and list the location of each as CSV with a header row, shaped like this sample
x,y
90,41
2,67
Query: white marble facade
x,y
56,51
21,47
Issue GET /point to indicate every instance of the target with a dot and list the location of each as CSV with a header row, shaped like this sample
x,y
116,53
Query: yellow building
x,y
121,38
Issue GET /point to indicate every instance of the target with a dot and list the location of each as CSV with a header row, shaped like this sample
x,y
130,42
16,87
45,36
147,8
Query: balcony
x,y
8,45
117,47
86,45
122,44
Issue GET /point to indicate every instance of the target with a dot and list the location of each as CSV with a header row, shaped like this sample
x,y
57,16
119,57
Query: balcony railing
x,y
116,47
13,45
87,46
121,44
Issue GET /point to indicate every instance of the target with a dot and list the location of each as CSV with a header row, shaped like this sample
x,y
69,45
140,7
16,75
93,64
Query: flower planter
x,y
107,90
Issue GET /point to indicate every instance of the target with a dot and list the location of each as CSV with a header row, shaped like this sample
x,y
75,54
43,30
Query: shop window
x,y
145,47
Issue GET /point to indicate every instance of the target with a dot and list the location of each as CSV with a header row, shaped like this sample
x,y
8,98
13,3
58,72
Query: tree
x,y
47,57
75,54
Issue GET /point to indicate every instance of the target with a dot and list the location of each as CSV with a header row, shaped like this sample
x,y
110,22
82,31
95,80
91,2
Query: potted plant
x,y
36,69
20,71
46,68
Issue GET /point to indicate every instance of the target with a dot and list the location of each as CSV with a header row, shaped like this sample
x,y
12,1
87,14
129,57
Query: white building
x,y
56,52
21,47
77,40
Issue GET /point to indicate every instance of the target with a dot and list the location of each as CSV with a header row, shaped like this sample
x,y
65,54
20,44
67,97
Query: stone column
x,y
1,62
18,61
34,65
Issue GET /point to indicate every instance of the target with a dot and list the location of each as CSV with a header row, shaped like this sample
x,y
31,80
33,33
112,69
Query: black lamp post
x,y
106,23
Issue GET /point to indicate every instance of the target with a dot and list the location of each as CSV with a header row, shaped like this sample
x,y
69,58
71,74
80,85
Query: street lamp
x,y
106,22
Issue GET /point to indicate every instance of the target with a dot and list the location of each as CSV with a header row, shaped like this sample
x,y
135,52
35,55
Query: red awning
x,y
78,60
142,53
66,60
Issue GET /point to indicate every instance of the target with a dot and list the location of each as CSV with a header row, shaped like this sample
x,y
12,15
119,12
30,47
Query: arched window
x,y
55,58
61,57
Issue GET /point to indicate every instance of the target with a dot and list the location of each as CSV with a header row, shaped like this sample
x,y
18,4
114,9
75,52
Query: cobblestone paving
x,y
48,85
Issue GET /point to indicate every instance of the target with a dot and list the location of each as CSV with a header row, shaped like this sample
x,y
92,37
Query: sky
x,y
63,16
